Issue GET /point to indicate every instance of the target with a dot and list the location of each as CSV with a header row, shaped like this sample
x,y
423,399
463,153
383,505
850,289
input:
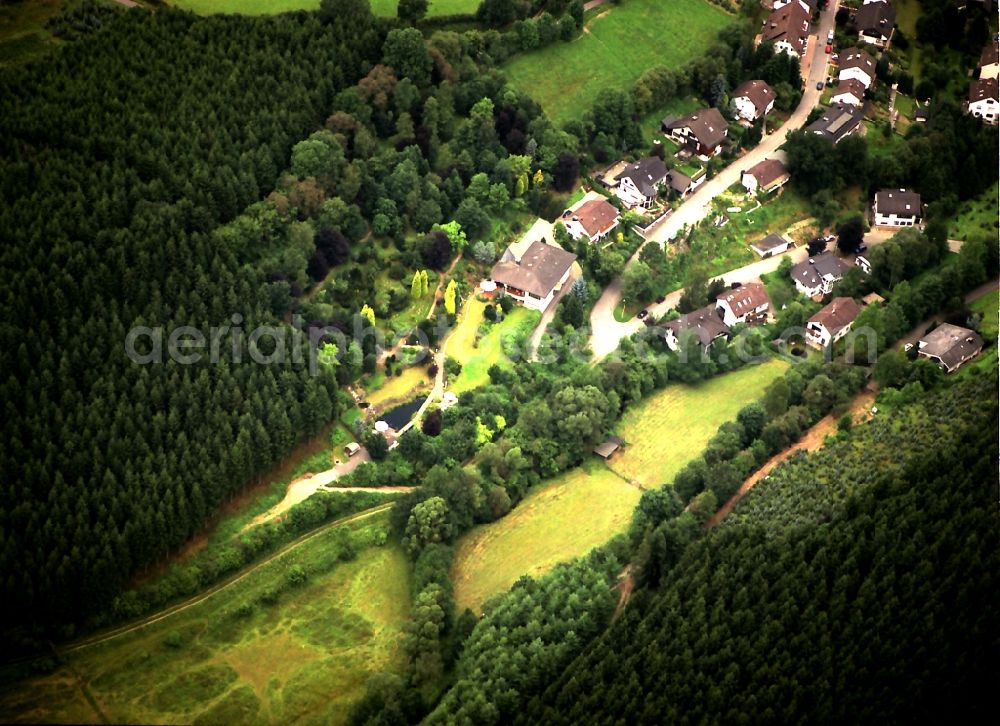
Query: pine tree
x,y
417,286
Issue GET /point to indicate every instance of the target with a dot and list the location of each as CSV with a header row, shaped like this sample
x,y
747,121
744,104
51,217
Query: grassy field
x,y
476,359
561,519
617,45
671,427
977,218
265,7
303,657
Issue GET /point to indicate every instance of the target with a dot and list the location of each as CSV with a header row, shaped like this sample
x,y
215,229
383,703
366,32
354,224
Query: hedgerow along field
x,y
668,429
262,650
386,8
616,46
564,518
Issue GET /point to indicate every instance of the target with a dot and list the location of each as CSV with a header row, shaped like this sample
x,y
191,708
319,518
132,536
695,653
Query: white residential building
x,y
984,100
747,304
897,208
858,65
817,275
832,323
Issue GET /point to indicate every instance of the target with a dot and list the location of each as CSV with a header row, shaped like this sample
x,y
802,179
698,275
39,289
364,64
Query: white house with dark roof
x,y
818,275
950,346
533,276
849,91
897,208
984,100
752,100
856,64
788,29
639,184
875,23
747,304
832,323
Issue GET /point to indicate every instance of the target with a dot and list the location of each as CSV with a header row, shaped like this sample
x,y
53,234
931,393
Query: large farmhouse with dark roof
x,y
950,346
534,277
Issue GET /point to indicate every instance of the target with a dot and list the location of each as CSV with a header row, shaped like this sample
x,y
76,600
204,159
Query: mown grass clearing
x,y
561,519
304,656
668,429
492,348
617,45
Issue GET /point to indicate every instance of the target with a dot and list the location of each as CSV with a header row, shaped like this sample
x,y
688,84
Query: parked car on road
x,y
642,313
819,85
829,48
660,299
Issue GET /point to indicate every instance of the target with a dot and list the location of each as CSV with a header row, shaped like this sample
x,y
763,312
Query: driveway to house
x,y
606,331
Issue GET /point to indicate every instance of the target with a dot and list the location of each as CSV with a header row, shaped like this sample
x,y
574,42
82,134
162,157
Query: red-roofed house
x,y
594,219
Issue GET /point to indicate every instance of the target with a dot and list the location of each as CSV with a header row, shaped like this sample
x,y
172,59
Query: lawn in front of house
x,y
617,45
560,519
665,431
477,354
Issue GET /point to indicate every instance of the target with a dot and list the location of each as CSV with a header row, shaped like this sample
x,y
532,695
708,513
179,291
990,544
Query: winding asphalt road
x,y
606,331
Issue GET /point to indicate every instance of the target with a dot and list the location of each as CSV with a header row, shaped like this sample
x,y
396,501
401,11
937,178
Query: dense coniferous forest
x,y
119,156
874,605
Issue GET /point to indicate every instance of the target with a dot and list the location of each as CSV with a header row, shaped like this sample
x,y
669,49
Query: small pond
x,y
398,417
